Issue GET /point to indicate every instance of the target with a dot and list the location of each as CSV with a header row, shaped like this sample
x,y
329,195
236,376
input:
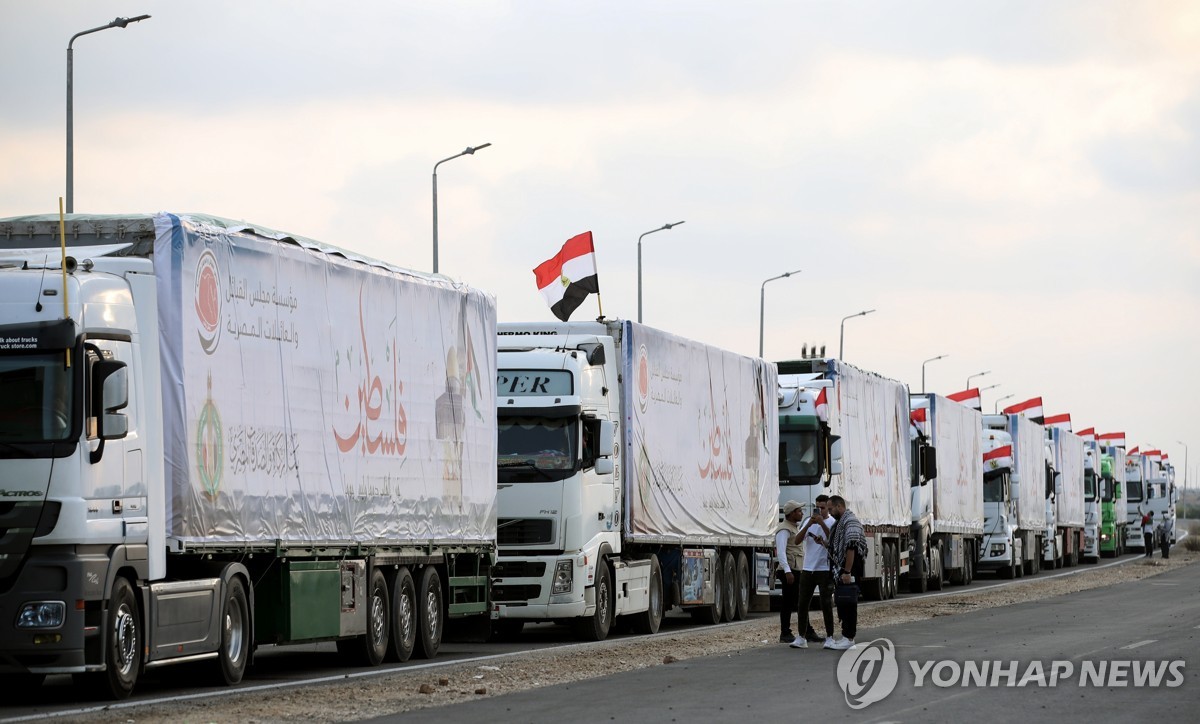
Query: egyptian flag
x,y
1031,408
566,278
920,418
822,405
1062,422
1088,435
970,398
999,457
1113,439
1133,452
1155,455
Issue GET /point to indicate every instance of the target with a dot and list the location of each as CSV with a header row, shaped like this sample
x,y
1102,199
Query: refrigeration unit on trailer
x,y
947,507
844,431
1014,494
233,437
637,472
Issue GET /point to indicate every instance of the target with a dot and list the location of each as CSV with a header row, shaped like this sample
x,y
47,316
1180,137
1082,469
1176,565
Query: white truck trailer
x,y
947,509
1015,494
217,436
844,431
1065,518
637,472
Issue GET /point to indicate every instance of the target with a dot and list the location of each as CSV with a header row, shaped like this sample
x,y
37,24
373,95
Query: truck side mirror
x,y
605,448
928,463
835,456
110,393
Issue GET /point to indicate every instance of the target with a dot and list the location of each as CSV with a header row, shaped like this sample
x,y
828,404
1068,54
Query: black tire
x,y
597,626
729,584
648,621
935,569
918,576
404,617
743,586
234,654
429,614
890,564
370,648
122,645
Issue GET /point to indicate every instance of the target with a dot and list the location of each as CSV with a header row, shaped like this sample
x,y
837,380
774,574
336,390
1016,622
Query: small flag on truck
x,y
1088,435
1113,439
1062,422
1031,408
971,398
566,278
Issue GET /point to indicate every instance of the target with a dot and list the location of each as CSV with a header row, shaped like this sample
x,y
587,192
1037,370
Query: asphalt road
x,y
1155,621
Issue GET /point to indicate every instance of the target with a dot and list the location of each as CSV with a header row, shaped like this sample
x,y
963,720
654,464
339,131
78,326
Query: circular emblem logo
x,y
643,377
208,301
868,673
210,447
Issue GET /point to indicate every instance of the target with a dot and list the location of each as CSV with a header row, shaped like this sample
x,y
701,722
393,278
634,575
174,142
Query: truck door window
x,y
799,457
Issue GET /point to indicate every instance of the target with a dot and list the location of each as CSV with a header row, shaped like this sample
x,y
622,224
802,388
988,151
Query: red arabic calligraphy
x,y
372,437
719,465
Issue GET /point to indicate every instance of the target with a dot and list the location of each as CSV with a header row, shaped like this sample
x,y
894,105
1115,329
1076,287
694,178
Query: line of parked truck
x,y
216,436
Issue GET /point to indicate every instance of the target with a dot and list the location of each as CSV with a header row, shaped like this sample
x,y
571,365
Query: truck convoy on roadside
x,y
947,506
844,431
637,472
216,436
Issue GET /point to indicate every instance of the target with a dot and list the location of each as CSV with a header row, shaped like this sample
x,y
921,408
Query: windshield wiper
x,y
525,464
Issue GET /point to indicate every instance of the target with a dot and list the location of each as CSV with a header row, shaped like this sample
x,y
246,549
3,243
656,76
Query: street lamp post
x,y
664,227
842,332
1185,472
931,359
469,151
996,409
979,374
118,23
762,305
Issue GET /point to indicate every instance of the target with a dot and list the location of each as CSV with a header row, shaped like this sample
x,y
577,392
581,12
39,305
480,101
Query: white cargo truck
x,y
1113,517
1135,502
947,507
1091,501
844,431
637,472
1015,494
1064,519
216,436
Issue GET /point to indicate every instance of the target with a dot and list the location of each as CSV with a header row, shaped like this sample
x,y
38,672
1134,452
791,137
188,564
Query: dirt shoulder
x,y
406,691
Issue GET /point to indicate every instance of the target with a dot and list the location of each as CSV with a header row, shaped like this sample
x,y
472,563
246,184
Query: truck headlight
x,y
1104,536
41,614
564,577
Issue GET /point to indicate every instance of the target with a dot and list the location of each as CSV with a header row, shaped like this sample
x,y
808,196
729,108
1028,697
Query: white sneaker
x,y
799,643
843,644
828,642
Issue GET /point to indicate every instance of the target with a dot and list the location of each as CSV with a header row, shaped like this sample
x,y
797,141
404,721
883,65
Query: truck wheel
x,y
894,581
918,576
234,653
404,617
370,648
743,586
597,626
935,569
122,645
649,620
429,614
729,584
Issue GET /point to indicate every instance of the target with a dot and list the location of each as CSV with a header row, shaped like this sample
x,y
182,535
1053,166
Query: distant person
x,y
847,553
815,573
789,554
1148,533
1164,536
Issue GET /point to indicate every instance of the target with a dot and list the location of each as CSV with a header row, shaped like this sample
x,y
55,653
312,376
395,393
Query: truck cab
x,y
808,453
1001,544
1091,502
1112,503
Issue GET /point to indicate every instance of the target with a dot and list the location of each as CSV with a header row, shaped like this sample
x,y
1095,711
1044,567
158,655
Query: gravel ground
x,y
377,696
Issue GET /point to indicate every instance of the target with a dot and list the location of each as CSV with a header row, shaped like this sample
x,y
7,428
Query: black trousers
x,y
791,594
810,580
1166,545
1149,544
848,613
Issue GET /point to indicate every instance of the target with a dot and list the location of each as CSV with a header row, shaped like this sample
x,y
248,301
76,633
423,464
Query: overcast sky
x,y
1013,184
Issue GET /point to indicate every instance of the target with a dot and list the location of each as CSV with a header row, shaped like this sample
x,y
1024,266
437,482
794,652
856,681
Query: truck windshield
x,y
993,488
1089,485
799,457
1133,491
36,393
537,449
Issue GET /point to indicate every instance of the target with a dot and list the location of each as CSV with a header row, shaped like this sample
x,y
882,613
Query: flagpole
x,y
596,258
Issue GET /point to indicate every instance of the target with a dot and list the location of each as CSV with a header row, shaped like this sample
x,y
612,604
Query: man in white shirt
x,y
815,572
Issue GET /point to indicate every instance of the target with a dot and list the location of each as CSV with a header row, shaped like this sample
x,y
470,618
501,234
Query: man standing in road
x,y
790,557
847,551
1148,533
816,574
1164,536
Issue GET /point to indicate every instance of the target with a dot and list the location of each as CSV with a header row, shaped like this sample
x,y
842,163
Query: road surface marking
x,y
1139,643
